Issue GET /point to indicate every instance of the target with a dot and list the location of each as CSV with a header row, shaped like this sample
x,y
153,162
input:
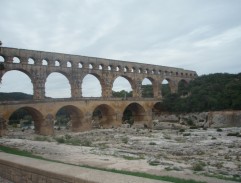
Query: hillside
x,y
207,93
15,96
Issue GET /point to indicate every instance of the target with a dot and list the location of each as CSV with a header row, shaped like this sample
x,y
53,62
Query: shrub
x,y
186,134
219,130
60,140
152,143
182,130
125,140
198,166
233,134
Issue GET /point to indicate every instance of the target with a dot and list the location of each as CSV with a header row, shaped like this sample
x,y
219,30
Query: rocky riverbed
x,y
185,152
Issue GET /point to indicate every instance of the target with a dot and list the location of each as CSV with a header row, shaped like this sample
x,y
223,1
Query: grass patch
x,y
199,166
132,157
137,174
152,143
236,178
73,141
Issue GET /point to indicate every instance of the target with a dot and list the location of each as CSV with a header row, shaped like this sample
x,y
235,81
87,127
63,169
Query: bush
x,y
60,140
219,130
182,130
152,143
125,140
233,134
199,166
186,134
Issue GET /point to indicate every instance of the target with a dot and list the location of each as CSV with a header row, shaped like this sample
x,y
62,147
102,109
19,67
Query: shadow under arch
x,y
74,116
183,87
133,113
103,116
36,117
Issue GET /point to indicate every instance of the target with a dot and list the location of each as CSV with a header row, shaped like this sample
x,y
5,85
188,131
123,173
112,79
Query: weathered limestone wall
x,y
213,119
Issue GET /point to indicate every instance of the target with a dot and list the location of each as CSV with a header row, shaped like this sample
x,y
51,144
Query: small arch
x,y
146,71
153,72
109,67
28,118
133,69
69,64
57,63
103,116
90,66
181,74
126,69
80,65
140,70
176,73
91,86
133,113
16,60
190,74
159,72
2,59
100,67
118,68
31,61
45,62
69,117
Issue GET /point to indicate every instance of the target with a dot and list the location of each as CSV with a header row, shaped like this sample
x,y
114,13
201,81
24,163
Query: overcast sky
x,y
200,35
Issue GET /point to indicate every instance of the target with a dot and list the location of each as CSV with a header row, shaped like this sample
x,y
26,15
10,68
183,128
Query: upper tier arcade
x,y
76,67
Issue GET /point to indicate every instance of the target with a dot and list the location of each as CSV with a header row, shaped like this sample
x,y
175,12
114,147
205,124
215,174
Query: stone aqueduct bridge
x,y
38,65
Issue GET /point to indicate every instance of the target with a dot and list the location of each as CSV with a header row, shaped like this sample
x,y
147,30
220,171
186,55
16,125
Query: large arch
x,y
104,116
122,87
165,87
57,85
147,88
183,87
22,77
75,116
134,113
92,86
36,117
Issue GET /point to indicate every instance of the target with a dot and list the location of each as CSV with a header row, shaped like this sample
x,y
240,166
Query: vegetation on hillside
x,y
206,93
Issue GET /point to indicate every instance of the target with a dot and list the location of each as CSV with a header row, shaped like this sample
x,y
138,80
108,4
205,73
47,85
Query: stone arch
x,y
183,87
63,79
147,87
19,76
57,63
37,118
103,116
157,109
125,84
2,59
69,64
134,113
76,118
165,87
89,84
31,61
16,60
45,62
